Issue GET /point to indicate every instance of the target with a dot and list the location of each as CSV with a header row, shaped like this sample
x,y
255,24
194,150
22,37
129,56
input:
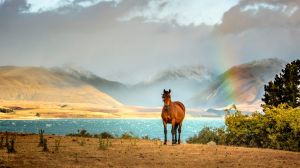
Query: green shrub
x,y
81,133
146,137
282,125
208,134
104,135
84,133
278,128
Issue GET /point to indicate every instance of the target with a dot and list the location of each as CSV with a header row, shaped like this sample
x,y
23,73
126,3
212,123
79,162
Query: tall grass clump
x,y
10,146
57,144
104,144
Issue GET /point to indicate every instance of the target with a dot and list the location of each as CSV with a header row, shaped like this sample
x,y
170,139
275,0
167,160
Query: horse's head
x,y
166,96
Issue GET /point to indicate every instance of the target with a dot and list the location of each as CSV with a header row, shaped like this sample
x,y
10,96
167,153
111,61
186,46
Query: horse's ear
x,y
169,90
165,91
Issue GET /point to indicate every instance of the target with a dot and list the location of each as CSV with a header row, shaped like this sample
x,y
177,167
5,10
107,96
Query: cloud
x,y
37,6
137,47
256,14
180,12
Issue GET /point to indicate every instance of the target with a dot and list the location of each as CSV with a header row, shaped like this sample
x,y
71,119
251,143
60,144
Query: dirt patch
x,y
85,152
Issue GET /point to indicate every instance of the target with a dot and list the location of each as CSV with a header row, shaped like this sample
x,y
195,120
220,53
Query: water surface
x,y
139,127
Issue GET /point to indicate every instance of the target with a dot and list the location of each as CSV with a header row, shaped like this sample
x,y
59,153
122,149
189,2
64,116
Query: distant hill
x,y
191,73
112,88
42,84
242,84
182,80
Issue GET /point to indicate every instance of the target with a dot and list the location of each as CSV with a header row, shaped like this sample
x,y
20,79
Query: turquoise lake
x,y
139,127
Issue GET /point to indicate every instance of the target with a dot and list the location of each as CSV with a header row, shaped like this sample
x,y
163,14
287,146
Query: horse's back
x,y
180,109
180,105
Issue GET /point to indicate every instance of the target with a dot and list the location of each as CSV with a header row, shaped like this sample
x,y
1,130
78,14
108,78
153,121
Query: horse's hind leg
x,y
179,132
165,131
176,127
173,132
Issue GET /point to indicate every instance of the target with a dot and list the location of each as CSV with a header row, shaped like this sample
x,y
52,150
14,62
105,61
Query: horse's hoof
x,y
165,143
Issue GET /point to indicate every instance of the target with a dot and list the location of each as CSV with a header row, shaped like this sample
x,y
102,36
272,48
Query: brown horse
x,y
172,113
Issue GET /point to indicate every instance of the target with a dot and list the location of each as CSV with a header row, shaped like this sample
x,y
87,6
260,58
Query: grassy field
x,y
85,152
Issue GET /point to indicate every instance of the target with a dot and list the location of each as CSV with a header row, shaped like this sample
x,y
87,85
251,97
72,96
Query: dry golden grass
x,y
140,153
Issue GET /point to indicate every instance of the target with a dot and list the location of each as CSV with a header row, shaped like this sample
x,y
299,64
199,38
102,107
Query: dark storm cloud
x,y
96,39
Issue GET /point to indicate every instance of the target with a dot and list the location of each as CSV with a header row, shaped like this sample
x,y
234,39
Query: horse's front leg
x,y
165,131
173,132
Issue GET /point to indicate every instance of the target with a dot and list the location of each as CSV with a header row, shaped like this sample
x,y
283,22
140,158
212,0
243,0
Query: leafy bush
x,y
81,133
278,128
282,125
146,137
104,135
208,134
84,133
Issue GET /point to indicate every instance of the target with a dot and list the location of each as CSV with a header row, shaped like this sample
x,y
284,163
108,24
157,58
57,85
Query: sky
x,y
131,40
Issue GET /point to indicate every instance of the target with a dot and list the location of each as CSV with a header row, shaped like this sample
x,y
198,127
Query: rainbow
x,y
227,56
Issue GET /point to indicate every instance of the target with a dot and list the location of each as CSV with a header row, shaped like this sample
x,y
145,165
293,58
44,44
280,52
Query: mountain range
x,y
195,86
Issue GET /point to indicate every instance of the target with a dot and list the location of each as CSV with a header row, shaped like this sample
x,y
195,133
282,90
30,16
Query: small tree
x,y
285,88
